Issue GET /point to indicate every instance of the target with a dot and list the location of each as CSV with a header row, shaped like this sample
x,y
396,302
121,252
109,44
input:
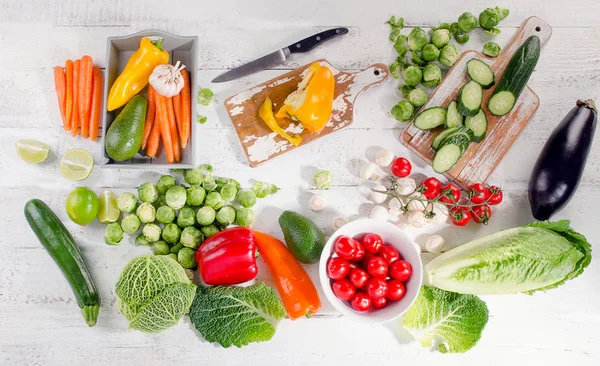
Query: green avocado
x,y
124,136
304,239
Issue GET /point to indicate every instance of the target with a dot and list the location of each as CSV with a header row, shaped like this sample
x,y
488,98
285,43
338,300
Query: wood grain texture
x,y
261,144
480,159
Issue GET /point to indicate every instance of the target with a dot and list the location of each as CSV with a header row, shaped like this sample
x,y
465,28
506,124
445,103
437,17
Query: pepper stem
x,y
158,43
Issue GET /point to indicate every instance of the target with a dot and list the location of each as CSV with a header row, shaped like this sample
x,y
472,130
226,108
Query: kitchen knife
x,y
279,56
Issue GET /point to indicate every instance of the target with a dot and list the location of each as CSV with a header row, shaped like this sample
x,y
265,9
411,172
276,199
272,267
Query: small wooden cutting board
x,y
480,159
260,144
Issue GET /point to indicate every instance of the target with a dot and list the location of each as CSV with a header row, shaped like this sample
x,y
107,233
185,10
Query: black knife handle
x,y
309,43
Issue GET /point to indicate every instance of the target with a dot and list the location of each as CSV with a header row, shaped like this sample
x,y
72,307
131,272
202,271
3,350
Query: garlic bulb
x,y
379,213
406,186
395,207
376,196
167,79
338,222
434,244
367,171
441,214
417,219
383,157
317,203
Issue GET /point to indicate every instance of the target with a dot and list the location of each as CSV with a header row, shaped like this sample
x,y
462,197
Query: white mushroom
x,y
317,203
434,244
415,204
338,222
406,186
383,157
441,214
417,219
368,171
379,213
376,196
395,207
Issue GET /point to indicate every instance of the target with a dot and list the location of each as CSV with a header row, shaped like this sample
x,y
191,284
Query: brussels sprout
x,y
186,217
416,59
394,34
195,195
151,232
461,38
234,182
400,45
226,216
209,183
244,217
147,192
489,18
246,198
205,96
141,240
323,179
173,256
126,202
176,248
261,189
160,248
430,53
131,224
273,189
396,69
176,197
161,201
165,215
454,29
491,49
442,26
201,119
448,55
209,230
171,233
417,38
164,183
191,237
502,13
467,22
206,216
214,200
405,89
395,22
221,181
187,258
432,75
440,37
194,176
228,192
492,32
146,213
412,75
113,234
417,97
403,111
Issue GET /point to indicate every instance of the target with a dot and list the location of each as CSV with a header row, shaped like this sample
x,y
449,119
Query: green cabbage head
x,y
154,293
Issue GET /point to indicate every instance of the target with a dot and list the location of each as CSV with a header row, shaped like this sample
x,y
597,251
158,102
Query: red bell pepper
x,y
228,257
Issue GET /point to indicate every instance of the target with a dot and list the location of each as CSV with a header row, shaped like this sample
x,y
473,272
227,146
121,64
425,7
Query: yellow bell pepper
x,y
137,73
265,112
312,103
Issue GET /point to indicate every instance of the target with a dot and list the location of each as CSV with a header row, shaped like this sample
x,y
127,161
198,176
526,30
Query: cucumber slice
x,y
430,118
480,72
446,157
501,103
477,124
437,141
453,118
460,139
470,97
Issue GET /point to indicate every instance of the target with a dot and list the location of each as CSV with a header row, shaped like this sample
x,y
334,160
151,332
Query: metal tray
x,y
118,52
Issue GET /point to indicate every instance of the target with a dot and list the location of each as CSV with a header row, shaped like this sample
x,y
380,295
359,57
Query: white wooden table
x,y
39,320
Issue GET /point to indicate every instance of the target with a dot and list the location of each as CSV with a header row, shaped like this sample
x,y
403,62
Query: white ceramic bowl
x,y
390,234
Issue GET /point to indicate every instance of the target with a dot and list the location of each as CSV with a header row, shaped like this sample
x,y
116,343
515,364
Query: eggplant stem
x,y
588,103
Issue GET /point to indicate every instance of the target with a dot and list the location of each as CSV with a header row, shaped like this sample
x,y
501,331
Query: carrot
x,y
153,140
61,92
75,115
96,106
150,112
85,94
186,109
163,120
69,93
177,108
173,128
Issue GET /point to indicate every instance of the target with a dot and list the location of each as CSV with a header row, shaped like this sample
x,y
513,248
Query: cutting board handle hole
x,y
376,72
538,29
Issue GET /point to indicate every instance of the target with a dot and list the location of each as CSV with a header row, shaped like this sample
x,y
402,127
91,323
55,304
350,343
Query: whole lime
x,y
82,205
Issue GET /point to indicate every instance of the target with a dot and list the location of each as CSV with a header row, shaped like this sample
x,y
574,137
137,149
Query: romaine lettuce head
x,y
539,256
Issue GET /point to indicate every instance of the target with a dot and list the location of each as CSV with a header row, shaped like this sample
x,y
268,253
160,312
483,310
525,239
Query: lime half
x,y
32,151
107,208
76,164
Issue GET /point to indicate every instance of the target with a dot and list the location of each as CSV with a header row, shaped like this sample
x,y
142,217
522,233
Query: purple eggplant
x,y
559,167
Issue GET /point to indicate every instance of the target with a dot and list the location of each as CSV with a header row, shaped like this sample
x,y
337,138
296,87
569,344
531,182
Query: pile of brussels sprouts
x,y
175,219
417,55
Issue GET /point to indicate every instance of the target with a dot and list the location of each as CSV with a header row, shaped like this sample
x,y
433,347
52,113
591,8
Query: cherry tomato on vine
x,y
482,214
359,277
431,188
396,290
460,216
496,197
389,253
478,193
377,267
401,168
401,270
361,302
372,243
376,288
343,289
450,194
379,302
337,268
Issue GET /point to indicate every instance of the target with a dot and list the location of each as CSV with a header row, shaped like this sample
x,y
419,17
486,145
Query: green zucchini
x,y
437,141
430,118
480,72
59,243
478,124
453,118
519,69
470,97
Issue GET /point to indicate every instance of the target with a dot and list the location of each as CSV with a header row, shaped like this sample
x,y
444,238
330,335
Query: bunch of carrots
x,y
169,120
79,90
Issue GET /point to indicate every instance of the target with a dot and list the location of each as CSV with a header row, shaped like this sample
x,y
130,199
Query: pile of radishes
x,y
367,273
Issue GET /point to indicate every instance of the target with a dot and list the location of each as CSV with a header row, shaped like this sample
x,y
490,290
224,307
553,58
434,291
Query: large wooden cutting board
x,y
481,158
260,144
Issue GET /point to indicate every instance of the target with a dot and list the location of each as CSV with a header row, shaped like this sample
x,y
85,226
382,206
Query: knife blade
x,y
279,56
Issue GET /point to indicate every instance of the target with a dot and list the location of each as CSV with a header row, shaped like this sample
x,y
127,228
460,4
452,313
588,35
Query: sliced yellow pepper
x,y
265,112
137,73
312,103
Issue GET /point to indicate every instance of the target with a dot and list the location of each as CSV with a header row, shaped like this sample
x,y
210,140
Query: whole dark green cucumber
x,y
59,243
